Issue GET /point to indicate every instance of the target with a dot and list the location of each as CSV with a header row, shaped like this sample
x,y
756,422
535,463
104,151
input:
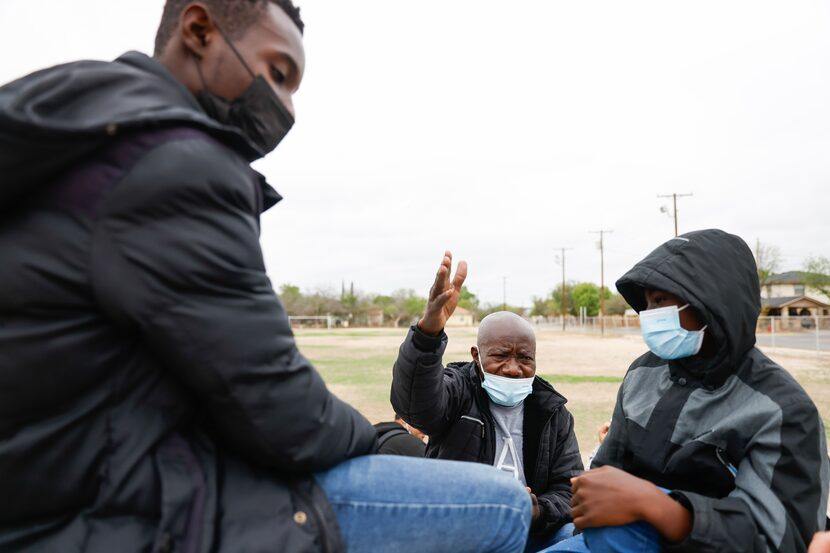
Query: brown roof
x,y
789,300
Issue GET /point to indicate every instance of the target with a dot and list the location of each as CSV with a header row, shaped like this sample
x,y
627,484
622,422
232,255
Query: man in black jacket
x,y
398,438
493,409
704,415
152,397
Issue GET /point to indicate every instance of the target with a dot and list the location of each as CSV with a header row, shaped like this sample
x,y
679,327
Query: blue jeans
x,y
408,505
637,537
535,543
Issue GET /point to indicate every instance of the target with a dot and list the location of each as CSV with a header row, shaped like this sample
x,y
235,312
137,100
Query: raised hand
x,y
443,296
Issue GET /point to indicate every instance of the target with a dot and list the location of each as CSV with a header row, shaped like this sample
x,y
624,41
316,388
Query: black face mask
x,y
258,113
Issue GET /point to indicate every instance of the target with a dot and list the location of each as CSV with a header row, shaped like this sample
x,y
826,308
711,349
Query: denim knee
x,y
637,537
516,496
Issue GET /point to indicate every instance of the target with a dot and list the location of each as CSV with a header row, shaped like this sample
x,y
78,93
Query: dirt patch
x,y
587,369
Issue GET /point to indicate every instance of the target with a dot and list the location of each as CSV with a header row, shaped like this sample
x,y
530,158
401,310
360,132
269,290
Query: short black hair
x,y
234,16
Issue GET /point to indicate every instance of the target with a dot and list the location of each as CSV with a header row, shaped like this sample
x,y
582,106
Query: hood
x,y
54,117
715,272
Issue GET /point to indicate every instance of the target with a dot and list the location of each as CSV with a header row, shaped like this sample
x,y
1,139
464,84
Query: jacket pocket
x,y
463,441
183,495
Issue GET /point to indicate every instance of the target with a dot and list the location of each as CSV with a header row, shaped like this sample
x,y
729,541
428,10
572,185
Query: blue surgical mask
x,y
665,337
504,391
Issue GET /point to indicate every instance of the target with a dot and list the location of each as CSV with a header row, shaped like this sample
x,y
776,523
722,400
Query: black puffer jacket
x,y
152,397
736,438
451,407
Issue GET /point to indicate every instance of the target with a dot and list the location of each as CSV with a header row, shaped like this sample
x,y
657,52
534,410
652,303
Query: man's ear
x,y
197,29
477,360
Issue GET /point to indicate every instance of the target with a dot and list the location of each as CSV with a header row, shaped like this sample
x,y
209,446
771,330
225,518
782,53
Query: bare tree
x,y
818,274
768,261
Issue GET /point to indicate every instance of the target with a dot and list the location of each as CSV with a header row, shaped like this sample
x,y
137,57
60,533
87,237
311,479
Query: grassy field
x,y
587,369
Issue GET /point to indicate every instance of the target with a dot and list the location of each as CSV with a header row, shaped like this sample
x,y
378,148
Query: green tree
x,y
468,300
586,294
818,274
492,308
387,303
292,299
542,307
402,306
556,298
615,305
551,306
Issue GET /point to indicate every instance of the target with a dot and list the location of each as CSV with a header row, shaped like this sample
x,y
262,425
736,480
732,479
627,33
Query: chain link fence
x,y
807,333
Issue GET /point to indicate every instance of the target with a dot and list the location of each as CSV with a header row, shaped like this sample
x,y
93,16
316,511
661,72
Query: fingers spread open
x,y
441,282
460,275
441,300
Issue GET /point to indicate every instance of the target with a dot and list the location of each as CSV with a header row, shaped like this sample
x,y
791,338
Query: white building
x,y
786,295
461,317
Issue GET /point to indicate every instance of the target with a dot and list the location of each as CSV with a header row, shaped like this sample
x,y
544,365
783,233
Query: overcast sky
x,y
503,130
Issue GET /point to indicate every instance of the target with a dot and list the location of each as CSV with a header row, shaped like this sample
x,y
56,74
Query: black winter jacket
x,y
735,436
152,398
451,407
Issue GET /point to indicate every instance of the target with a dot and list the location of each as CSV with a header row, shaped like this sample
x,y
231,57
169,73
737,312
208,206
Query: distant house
x,y
461,317
786,295
375,316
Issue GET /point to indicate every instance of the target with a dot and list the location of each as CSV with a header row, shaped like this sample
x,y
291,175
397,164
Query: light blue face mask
x,y
665,337
508,392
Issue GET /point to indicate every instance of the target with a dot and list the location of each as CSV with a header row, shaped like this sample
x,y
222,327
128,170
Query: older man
x,y
492,409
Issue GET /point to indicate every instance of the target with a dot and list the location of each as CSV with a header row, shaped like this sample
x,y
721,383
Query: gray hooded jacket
x,y
735,436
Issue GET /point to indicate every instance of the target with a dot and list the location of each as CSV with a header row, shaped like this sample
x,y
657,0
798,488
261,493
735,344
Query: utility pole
x,y
674,202
564,288
602,234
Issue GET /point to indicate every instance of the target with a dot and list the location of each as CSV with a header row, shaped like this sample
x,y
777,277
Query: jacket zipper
x,y
491,443
545,430
719,453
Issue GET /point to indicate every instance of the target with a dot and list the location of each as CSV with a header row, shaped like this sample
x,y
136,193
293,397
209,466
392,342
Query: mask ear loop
x,y
199,71
684,307
236,52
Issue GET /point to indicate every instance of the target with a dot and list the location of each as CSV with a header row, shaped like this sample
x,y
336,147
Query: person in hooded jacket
x,y
152,397
713,447
492,410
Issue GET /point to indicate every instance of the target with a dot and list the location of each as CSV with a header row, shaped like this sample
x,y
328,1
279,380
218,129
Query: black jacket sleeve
x,y
177,261
566,462
778,502
612,449
423,393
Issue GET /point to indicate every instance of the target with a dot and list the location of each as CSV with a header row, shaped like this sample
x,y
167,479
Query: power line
x,y
602,234
674,197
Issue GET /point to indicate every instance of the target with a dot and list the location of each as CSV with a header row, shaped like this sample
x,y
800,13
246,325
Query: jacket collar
x,y
150,65
270,196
